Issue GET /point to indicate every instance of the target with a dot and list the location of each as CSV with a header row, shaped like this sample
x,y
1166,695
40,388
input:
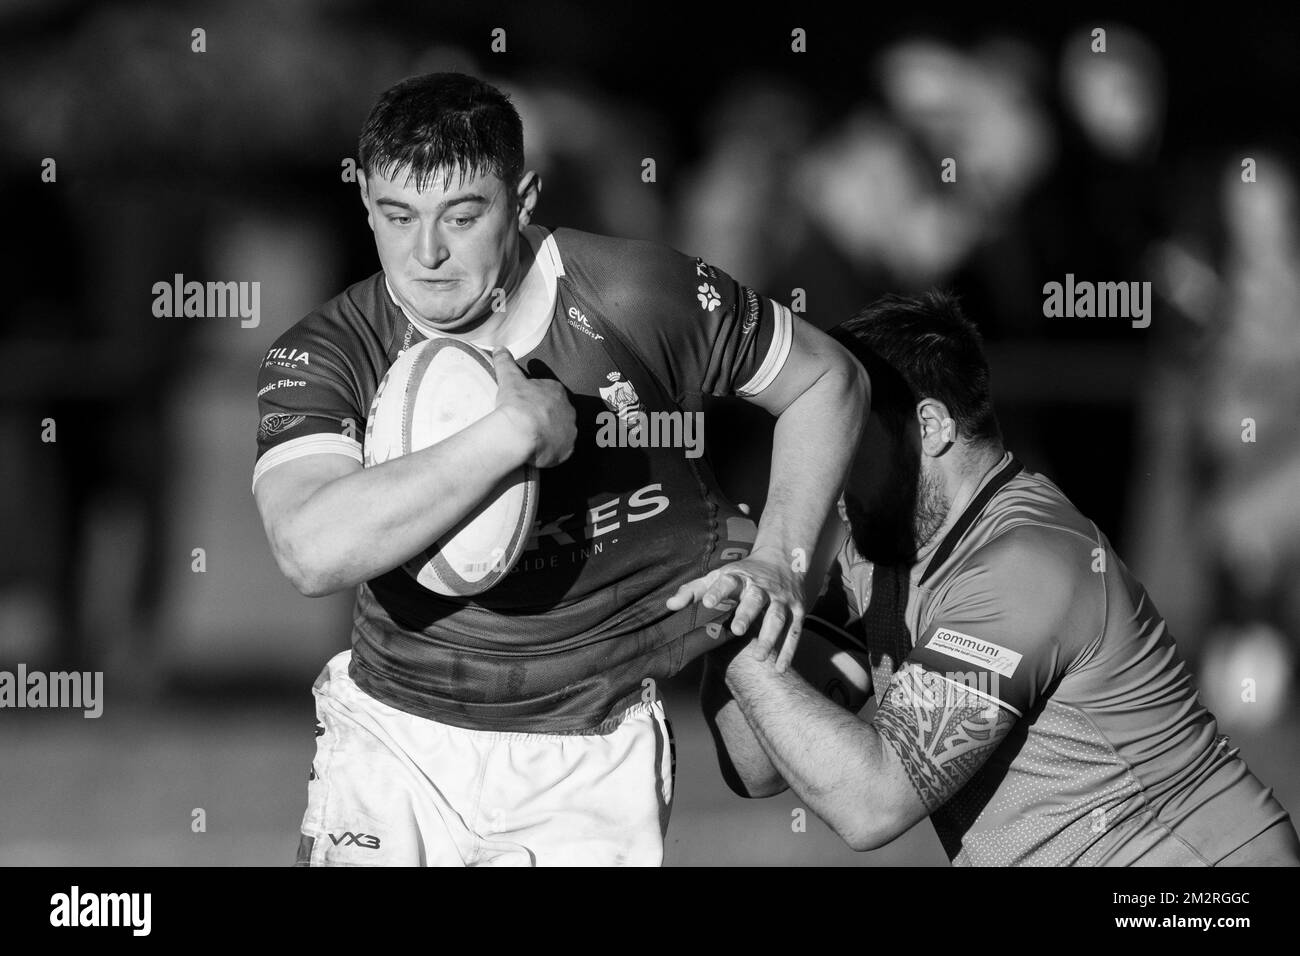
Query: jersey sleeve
x,y
308,402
700,329
1014,617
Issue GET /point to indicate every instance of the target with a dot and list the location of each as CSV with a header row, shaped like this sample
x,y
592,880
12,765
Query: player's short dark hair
x,y
930,349
443,122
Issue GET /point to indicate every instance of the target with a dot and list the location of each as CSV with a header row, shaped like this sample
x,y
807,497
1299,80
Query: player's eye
x,y
399,220
462,221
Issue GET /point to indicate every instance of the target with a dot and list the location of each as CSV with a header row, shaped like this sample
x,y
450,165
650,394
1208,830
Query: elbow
x,y
868,829
307,580
862,838
855,382
743,779
857,817
860,391
305,571
753,788
312,585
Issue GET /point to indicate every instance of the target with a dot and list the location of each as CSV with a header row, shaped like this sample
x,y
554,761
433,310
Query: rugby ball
x,y
432,391
834,662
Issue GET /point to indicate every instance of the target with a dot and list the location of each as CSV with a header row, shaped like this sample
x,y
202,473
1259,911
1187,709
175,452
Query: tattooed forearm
x,y
941,731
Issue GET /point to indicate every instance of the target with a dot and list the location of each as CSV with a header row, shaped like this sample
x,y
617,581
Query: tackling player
x,y
520,726
1030,698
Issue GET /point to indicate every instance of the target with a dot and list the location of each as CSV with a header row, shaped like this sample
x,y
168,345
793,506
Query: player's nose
x,y
430,250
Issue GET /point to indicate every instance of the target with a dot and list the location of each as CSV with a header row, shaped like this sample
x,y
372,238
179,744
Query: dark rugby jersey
x,y
570,635
1113,759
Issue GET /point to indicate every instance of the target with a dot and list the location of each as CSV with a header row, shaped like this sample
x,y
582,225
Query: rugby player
x,y
1029,697
521,726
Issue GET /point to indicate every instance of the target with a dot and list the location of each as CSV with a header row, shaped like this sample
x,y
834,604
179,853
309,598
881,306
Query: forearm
x,y
835,762
819,427
369,521
745,766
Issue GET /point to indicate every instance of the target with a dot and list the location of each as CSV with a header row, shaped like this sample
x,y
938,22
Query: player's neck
x,y
960,485
501,325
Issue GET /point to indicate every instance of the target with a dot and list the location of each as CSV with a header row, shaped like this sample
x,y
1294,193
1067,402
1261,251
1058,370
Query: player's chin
x,y
447,316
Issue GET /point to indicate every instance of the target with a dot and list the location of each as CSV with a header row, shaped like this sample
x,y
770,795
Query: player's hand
x,y
764,584
539,408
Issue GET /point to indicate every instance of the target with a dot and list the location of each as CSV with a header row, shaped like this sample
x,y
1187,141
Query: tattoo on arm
x,y
941,731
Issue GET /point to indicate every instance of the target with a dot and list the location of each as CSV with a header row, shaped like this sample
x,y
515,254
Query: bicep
x,y
282,490
937,734
812,354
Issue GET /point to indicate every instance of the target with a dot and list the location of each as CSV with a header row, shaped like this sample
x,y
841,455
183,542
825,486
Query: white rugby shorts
x,y
389,788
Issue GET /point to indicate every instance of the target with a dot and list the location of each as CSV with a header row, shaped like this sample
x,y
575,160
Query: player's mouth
x,y
436,283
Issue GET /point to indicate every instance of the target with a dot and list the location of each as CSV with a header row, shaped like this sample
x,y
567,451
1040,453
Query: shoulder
x,y
1030,533
352,323
363,308
1028,553
337,353
615,269
1030,500
586,250
1037,583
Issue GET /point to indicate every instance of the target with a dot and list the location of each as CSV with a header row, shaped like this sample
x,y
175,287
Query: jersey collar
x,y
530,307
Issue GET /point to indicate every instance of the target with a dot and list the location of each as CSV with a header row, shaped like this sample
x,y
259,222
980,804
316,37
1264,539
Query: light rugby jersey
x,y
569,638
1113,761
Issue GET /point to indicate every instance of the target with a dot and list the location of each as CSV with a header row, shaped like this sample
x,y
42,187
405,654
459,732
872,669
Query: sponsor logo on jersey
x,y
579,322
972,650
406,337
705,271
283,383
278,422
708,296
599,520
286,358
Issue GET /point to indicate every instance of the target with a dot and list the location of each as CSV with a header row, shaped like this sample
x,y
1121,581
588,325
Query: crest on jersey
x,y
620,397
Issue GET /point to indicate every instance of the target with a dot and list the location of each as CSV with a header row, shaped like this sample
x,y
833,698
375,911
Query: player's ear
x,y
938,430
530,187
364,186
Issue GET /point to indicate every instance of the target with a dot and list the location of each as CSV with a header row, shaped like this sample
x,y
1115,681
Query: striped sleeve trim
x,y
326,444
777,352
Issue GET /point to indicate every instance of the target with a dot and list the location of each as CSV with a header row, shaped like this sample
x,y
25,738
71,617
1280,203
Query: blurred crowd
x,y
1180,440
